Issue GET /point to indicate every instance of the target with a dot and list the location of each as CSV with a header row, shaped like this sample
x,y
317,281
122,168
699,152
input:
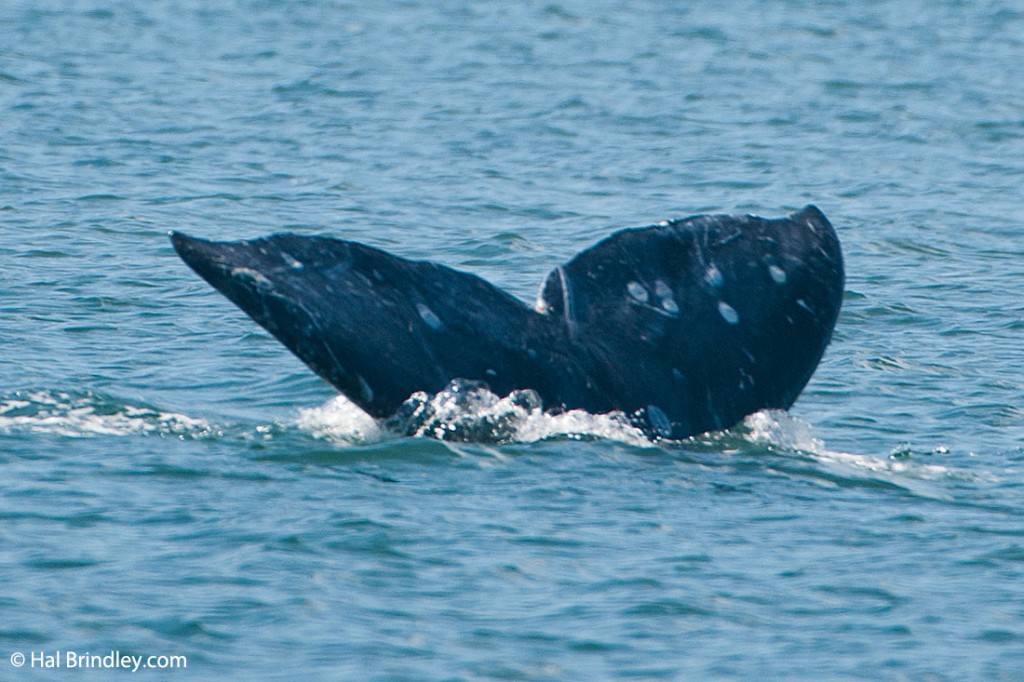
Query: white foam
x,y
340,420
579,424
466,413
782,430
87,414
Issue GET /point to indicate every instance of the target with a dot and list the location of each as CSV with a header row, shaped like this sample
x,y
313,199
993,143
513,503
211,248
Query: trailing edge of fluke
x,y
687,326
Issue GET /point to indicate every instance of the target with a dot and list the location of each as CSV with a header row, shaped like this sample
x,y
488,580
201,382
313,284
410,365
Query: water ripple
x,y
84,414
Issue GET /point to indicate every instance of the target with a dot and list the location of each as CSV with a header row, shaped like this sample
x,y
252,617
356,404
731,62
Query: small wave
x,y
467,412
780,430
85,414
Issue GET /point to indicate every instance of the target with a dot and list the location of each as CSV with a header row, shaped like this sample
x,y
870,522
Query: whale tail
x,y
689,325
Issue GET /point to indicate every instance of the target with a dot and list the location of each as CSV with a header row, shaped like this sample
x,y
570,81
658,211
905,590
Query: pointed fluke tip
x,y
187,246
179,240
198,254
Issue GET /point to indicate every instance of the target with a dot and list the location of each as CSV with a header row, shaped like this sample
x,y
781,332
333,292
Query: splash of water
x,y
779,429
340,420
467,411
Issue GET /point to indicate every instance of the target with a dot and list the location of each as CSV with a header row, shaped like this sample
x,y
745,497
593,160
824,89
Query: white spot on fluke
x,y
257,277
364,389
664,292
429,316
638,292
713,276
659,421
291,261
777,273
728,313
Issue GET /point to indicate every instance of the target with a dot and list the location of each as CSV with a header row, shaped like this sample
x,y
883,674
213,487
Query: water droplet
x,y
728,313
428,316
670,306
637,291
777,273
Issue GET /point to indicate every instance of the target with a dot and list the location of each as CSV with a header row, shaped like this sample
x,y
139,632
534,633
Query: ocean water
x,y
175,483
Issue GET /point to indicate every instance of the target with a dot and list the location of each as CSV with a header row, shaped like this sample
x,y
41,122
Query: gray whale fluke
x,y
688,326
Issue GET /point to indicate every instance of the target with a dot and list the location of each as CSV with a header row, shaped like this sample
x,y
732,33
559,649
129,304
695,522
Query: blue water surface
x,y
176,483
